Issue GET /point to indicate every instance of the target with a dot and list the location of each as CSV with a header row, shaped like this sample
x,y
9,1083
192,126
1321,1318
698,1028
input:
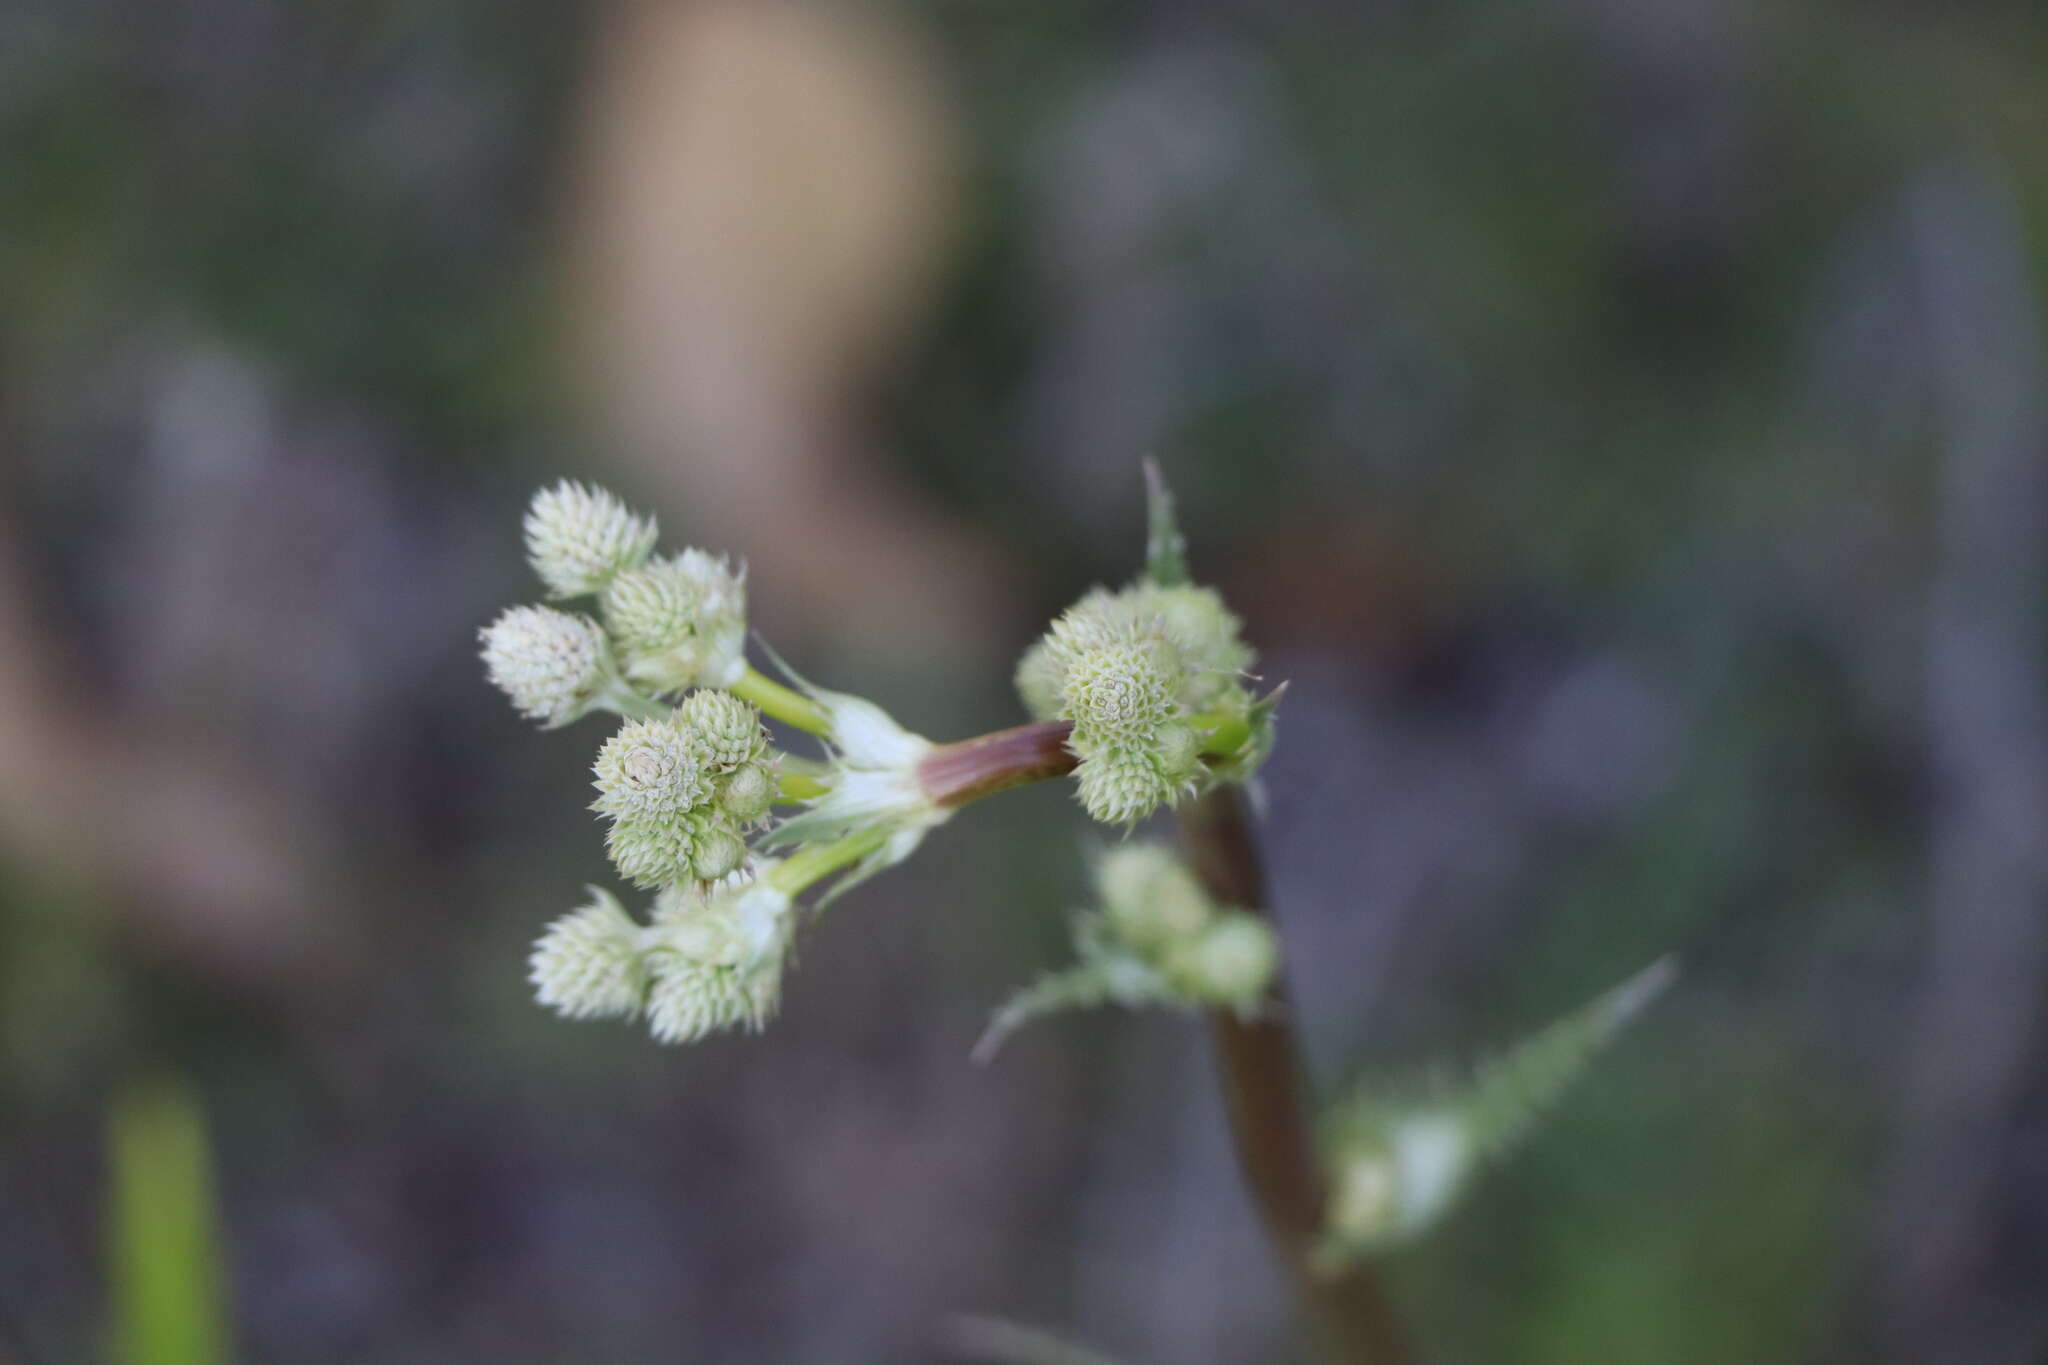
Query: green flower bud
x,y
651,769
587,964
1122,785
554,666
718,853
579,538
748,794
725,730
1231,963
716,958
653,852
1150,899
680,622
1206,634
1039,675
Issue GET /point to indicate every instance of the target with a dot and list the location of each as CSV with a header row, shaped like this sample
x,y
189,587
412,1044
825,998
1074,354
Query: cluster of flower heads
x,y
683,790
1151,677
1398,1162
669,623
1146,674
711,957
1157,939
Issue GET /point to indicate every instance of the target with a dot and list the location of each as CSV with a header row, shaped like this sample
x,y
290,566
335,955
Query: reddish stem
x,y
954,774
1264,1089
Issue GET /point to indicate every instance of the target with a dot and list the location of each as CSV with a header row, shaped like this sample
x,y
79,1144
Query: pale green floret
x,y
725,730
718,853
555,666
716,959
1231,963
579,538
1122,784
587,964
680,622
748,794
650,769
1121,691
653,853
1039,674
1206,633
1150,898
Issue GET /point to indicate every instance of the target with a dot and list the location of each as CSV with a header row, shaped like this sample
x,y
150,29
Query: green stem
x,y
819,861
785,704
801,787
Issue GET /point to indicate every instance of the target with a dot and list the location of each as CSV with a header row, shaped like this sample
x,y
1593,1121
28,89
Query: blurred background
x,y
1625,423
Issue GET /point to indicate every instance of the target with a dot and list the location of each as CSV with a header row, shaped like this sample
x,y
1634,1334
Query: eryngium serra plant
x,y
1145,696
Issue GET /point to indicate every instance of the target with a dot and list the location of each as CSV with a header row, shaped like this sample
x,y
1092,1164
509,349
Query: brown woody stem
x,y
1265,1091
1258,1058
954,774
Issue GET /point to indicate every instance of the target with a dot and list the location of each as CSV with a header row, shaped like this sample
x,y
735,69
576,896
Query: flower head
x,y
680,621
579,538
683,791
555,666
1123,683
1152,677
715,957
649,769
587,964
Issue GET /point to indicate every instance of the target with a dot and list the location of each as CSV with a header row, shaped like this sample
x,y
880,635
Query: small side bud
x,y
1231,963
724,729
1158,940
553,665
718,853
579,538
748,794
1150,898
587,964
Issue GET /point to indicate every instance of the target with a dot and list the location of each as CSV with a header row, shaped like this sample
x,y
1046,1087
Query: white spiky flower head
x,y
587,964
554,665
580,537
716,956
683,791
680,621
649,769
874,783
